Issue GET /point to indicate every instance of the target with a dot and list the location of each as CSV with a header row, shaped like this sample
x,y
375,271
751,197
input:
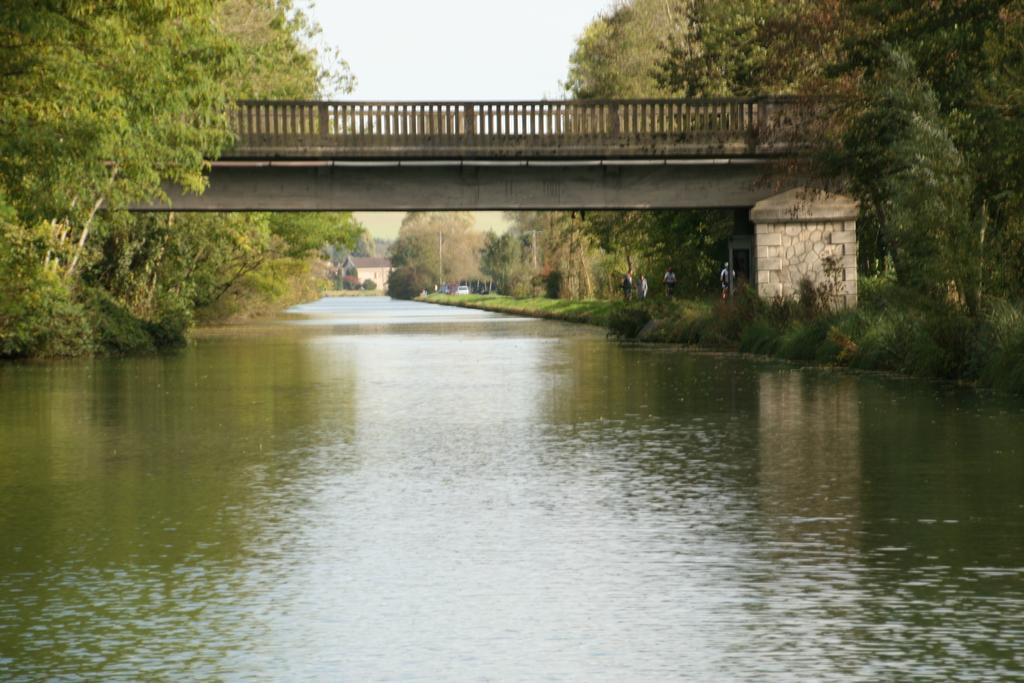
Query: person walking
x,y
670,282
726,277
627,285
642,288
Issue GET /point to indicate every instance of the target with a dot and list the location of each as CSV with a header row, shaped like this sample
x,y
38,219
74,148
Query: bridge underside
x,y
481,186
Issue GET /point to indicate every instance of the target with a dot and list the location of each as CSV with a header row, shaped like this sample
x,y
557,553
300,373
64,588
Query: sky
x,y
453,50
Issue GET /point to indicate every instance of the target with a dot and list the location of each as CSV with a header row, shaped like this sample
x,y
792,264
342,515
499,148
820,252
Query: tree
x,y
442,245
105,101
928,141
747,48
407,282
617,54
503,259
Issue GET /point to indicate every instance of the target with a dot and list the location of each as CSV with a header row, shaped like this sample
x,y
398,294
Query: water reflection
x,y
370,490
809,455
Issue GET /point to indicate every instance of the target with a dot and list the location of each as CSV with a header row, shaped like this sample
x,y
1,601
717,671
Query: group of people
x,y
639,286
628,286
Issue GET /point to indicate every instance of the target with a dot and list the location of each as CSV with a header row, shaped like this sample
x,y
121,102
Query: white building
x,y
369,268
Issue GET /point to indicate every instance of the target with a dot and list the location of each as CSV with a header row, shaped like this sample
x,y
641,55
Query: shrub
x,y
369,285
627,322
733,316
39,315
553,284
804,340
406,282
1001,347
760,337
807,296
45,323
170,325
115,329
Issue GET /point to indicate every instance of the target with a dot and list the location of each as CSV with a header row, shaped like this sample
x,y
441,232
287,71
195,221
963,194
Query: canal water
x,y
371,490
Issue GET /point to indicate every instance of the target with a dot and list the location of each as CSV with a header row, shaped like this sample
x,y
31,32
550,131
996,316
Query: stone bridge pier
x,y
804,233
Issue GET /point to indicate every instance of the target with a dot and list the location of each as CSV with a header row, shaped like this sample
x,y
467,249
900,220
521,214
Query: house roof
x,y
368,262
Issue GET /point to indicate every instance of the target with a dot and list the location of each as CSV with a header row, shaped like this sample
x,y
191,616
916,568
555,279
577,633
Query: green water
x,y
371,490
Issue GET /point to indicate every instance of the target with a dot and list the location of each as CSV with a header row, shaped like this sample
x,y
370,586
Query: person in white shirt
x,y
670,282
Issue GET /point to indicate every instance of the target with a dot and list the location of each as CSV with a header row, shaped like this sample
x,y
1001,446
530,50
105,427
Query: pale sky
x,y
453,50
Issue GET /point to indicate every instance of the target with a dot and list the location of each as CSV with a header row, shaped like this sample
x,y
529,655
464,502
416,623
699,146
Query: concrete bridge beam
x,y
475,186
804,233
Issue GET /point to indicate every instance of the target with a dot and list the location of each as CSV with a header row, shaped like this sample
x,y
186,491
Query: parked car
x,y
463,289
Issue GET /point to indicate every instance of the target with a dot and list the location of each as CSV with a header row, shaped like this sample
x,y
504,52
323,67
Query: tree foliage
x,y
930,141
925,128
441,246
504,261
617,52
103,102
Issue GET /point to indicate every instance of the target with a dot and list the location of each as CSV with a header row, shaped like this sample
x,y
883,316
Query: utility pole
x,y
440,257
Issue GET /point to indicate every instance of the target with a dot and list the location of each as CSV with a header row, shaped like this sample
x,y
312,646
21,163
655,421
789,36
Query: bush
x,y
46,323
39,315
1001,347
553,284
171,323
406,282
806,341
369,285
733,316
520,288
115,329
627,322
760,337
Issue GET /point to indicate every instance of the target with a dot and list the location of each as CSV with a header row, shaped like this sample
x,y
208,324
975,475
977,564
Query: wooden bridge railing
x,y
512,130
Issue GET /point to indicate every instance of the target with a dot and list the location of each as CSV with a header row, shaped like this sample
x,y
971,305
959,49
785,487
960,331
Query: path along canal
x,y
373,490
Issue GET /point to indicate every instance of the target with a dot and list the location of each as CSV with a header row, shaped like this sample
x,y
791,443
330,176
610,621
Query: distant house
x,y
368,268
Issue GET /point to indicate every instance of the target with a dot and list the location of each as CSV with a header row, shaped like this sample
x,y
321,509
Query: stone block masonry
x,y
797,235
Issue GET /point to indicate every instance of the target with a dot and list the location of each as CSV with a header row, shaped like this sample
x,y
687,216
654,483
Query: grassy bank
x,y
591,311
352,293
892,330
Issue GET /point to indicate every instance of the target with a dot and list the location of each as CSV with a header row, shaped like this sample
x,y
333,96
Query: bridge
x,y
540,155
540,130
602,154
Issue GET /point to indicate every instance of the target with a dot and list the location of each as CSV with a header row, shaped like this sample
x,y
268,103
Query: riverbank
x,y
892,330
338,293
589,312
61,321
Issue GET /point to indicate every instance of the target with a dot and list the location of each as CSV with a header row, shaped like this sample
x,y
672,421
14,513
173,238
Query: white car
x,y
463,289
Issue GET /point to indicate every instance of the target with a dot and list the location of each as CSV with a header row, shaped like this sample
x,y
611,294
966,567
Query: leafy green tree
x,y
928,141
439,244
559,244
407,282
503,259
103,103
617,54
101,106
747,48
